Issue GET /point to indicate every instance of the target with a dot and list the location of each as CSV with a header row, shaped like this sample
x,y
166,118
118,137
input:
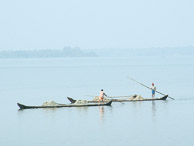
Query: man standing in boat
x,y
153,90
101,97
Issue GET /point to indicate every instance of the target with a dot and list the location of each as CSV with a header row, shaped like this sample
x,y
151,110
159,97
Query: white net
x,y
136,97
50,103
81,102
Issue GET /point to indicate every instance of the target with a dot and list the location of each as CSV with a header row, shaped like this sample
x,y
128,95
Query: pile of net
x,y
50,103
81,102
97,99
136,97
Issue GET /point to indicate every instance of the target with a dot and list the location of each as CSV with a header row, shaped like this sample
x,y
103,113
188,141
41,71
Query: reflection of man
x,y
101,111
101,97
153,108
153,90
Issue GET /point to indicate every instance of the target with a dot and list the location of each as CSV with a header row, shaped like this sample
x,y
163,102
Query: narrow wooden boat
x,y
123,100
22,106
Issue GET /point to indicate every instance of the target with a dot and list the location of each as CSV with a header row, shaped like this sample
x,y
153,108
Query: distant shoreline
x,y
47,53
67,52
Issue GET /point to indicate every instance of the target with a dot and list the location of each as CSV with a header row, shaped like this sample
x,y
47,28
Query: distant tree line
x,y
46,53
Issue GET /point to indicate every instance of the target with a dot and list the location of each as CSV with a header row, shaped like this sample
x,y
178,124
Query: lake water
x,y
157,123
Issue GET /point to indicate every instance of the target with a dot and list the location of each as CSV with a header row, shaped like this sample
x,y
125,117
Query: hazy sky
x,y
53,24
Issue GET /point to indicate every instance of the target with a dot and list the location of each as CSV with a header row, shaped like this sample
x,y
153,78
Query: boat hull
x,y
22,106
123,100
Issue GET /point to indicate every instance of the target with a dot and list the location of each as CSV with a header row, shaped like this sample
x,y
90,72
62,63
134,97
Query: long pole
x,y
110,96
149,87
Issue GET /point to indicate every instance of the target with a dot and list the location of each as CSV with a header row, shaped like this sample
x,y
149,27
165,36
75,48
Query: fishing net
x,y
81,102
137,97
50,103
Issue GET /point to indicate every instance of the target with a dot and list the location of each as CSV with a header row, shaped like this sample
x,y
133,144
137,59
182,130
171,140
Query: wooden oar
x,y
121,96
149,87
111,96
91,95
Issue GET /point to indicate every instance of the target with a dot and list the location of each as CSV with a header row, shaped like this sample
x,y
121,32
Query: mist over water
x,y
157,123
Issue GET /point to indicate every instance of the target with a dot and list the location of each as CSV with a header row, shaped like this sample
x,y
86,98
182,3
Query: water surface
x,y
157,123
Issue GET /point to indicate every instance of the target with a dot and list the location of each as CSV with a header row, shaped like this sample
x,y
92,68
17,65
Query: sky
x,y
95,24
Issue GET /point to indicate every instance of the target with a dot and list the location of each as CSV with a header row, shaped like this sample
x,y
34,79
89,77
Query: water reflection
x,y
40,109
101,111
82,109
137,105
153,108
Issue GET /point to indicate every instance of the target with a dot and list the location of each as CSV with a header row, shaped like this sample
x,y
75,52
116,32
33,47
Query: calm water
x,y
34,81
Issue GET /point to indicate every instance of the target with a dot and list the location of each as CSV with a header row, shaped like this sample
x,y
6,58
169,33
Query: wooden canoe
x,y
22,106
123,100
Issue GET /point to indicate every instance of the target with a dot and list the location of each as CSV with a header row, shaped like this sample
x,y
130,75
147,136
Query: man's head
x,y
152,84
101,89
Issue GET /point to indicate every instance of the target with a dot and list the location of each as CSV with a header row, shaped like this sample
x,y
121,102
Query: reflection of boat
x,y
132,99
66,105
